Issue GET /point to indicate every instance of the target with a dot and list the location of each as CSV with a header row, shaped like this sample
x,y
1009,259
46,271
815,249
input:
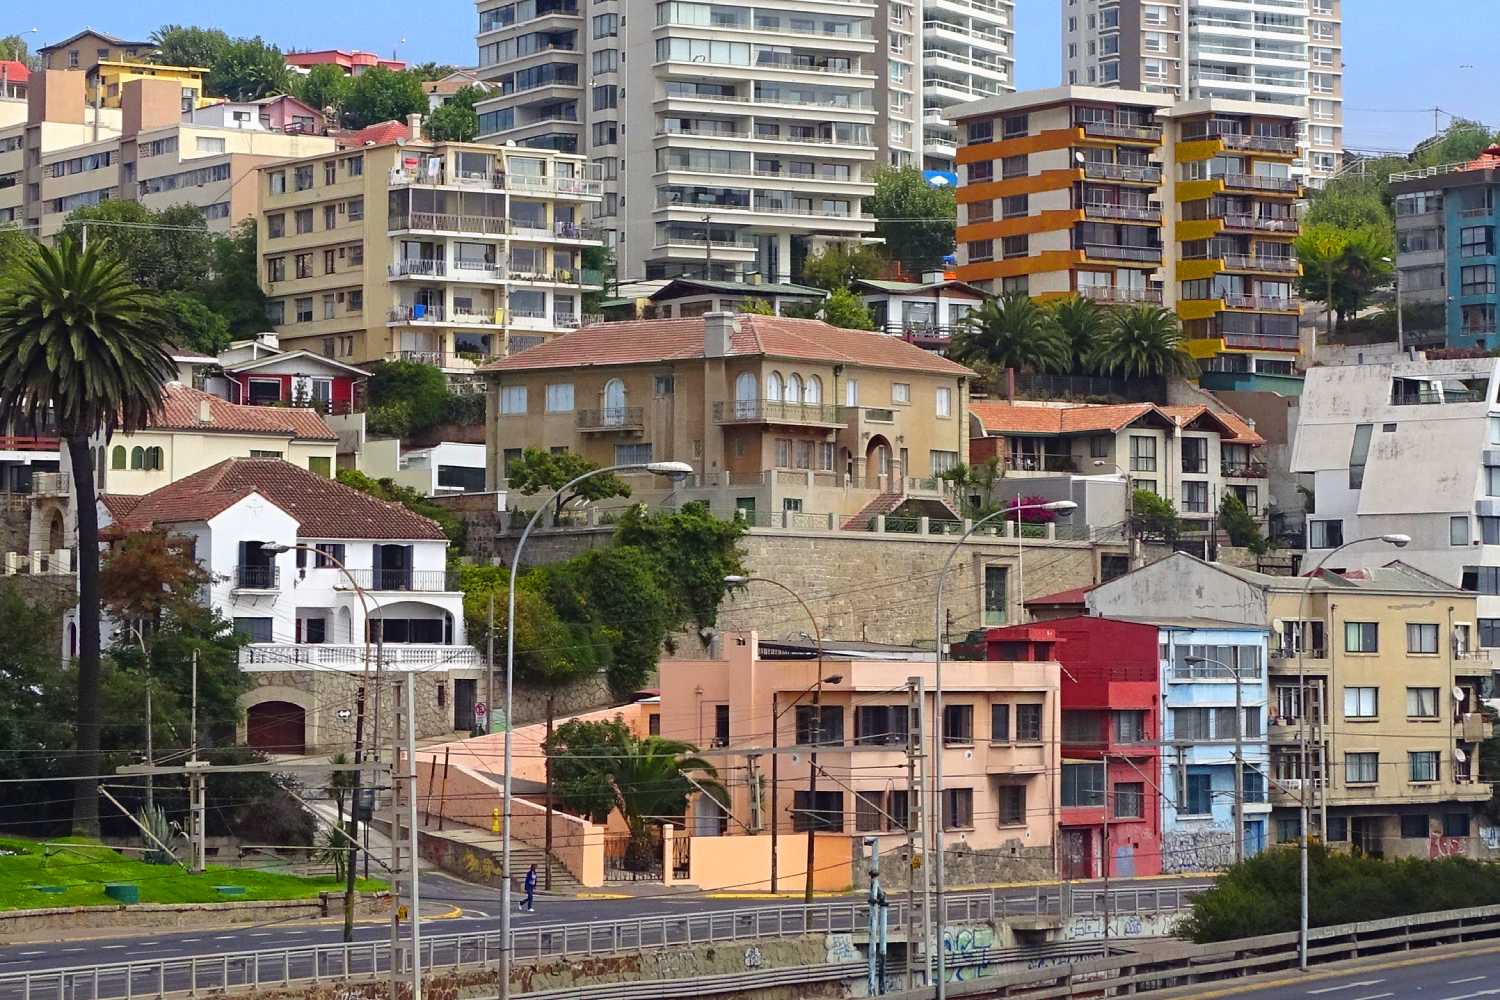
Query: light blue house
x,y
1201,662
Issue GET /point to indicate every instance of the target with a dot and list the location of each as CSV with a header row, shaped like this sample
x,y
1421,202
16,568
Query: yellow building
x,y
108,78
445,253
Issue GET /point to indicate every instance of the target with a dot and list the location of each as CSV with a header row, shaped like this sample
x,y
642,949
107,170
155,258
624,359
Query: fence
x,y
322,963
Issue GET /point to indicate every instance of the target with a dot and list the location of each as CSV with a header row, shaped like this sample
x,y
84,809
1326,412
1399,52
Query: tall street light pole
x,y
677,470
1300,635
937,713
275,548
812,758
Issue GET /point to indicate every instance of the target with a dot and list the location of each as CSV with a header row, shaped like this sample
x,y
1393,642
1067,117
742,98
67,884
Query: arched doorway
x,y
56,532
877,462
276,727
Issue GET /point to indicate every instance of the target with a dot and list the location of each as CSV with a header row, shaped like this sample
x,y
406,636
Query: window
x,y
1012,126
827,813
958,808
1191,724
980,250
1130,800
1014,205
304,309
1029,723
276,312
1421,638
1194,454
513,399
276,181
1289,829
1455,824
1012,804
1421,703
303,177
302,263
1015,246
275,269
941,461
1083,785
1477,279
303,219
560,397
1254,783
1195,498
1489,633
1481,579
1415,826
881,725
1142,453
1422,765
944,399
632,454
1325,534
1361,702
320,465
1200,791
1013,166
958,724
822,725
1474,241
999,723
1359,450
1458,530
901,392
276,225
996,596
255,629
1130,726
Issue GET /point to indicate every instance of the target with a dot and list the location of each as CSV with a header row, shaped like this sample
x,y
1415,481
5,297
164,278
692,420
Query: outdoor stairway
x,y
883,504
523,856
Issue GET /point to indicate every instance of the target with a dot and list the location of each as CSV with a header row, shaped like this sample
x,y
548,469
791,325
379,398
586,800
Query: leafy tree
x,y
1461,141
602,260
379,95
148,573
393,492
406,396
1348,207
693,552
456,120
234,287
578,750
615,591
36,695
1342,267
427,71
975,485
15,247
840,264
755,307
538,470
844,309
79,339
1143,341
915,219
1155,516
1236,521
247,70
1082,322
170,250
324,86
1011,332
194,325
181,45
796,309
14,47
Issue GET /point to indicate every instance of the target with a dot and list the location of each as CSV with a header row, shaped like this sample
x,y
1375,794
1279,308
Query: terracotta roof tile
x,y
654,340
1232,431
1074,596
998,417
1243,432
378,134
182,406
322,508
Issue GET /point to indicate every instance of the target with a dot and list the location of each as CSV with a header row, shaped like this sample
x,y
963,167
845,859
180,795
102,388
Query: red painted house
x,y
296,377
1111,721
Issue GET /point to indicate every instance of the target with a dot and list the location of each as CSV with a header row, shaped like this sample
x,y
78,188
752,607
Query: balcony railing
x,y
611,418
1244,470
48,484
1242,140
1213,672
27,442
1122,172
419,268
450,222
1287,652
1041,463
1259,302
1115,130
257,577
1268,341
1246,262
1243,220
1103,251
420,313
774,411
1252,182
1427,397
428,580
398,655
1112,293
1133,213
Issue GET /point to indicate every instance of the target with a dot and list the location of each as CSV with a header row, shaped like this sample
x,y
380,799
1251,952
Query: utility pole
x,y
547,764
195,785
918,926
1239,766
489,698
415,892
871,973
1105,851
355,805
395,832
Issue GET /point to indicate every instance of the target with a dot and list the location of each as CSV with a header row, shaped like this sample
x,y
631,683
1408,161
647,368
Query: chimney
x,y
753,278
414,127
719,329
934,277
269,338
205,411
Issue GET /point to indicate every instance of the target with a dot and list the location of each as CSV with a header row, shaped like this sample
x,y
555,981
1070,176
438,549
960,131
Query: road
x,y
1471,975
478,905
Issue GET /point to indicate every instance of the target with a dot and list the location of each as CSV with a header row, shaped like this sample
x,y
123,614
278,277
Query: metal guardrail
x,y
318,963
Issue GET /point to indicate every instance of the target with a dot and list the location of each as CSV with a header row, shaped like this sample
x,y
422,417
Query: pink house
x,y
285,113
352,62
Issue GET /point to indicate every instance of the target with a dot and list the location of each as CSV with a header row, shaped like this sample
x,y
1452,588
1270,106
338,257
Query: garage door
x,y
276,727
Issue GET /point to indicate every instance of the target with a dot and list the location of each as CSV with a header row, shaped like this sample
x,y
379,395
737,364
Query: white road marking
x,y
113,947
1346,986
1376,996
261,934
25,953
67,950
224,937
189,940
1471,996
146,944
1471,979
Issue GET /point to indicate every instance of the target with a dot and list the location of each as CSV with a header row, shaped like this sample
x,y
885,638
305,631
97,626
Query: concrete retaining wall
x,y
27,924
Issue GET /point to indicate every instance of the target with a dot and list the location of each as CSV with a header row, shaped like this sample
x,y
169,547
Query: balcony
x,y
1252,182
1285,145
611,418
1243,470
1103,251
1472,727
433,581
1115,295
1246,262
449,222
772,411
1114,130
1435,395
1242,220
1213,672
419,268
50,484
27,442
1259,303
1128,213
351,657
1287,653
1041,463
1260,341
1147,174
418,313
257,577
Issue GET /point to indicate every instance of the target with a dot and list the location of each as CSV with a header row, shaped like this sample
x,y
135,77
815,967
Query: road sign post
x,y
481,717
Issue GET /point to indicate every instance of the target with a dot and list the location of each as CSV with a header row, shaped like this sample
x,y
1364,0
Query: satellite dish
x,y
796,757
1458,693
1459,755
968,755
938,181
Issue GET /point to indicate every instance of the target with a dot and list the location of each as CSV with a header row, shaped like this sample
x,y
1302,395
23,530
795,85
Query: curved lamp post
x,y
677,470
1399,541
937,711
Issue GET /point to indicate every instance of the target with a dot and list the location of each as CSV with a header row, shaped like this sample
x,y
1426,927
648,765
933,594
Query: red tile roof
x,y
1243,432
15,72
998,417
322,508
655,340
1062,597
182,407
1231,432
378,134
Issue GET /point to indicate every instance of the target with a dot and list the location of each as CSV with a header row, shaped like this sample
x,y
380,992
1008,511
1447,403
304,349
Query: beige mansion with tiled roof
x,y
776,415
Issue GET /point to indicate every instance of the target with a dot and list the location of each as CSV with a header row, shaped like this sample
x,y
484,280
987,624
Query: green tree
x,y
975,485
1154,516
1143,341
844,309
393,492
148,574
579,750
538,470
182,45
36,695
600,259
194,325
1342,267
840,264
756,306
1348,207
455,120
247,70
15,248
405,397
15,47
170,250
693,552
615,592
1011,332
1460,142
380,95
79,339
1082,322
915,219
1236,521
234,286
431,70
325,87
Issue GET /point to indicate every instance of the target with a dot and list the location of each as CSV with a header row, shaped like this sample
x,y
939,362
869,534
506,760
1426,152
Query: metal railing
x,y
774,411
1243,470
1114,293
257,577
431,580
1244,220
249,970
1253,182
1132,213
1122,172
351,656
610,418
1115,130
1247,262
1101,251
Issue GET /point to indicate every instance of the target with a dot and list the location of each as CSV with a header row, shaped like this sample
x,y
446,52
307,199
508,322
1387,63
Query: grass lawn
x,y
83,867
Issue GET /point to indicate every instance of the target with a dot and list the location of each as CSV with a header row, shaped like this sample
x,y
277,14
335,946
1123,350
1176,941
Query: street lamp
x,y
816,690
1400,541
676,470
1396,277
1239,752
276,548
1059,506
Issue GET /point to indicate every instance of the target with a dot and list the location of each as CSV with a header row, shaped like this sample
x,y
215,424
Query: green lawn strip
x,y
83,868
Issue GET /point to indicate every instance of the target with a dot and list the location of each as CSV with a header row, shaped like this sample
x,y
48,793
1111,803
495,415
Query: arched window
x,y
614,402
794,388
745,387
117,457
773,387
138,457
812,392
154,458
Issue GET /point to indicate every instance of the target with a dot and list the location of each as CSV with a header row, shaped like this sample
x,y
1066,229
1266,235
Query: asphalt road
x,y
1438,977
479,907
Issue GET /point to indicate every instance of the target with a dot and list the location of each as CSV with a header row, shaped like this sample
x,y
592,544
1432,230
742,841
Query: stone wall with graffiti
x,y
1196,851
1121,926
1011,862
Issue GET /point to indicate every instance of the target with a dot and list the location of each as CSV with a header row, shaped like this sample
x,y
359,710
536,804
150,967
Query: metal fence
x,y
317,963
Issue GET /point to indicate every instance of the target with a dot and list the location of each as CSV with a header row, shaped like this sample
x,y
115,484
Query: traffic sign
x,y
481,709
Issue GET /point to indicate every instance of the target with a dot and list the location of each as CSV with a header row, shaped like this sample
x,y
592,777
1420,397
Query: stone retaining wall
x,y
27,924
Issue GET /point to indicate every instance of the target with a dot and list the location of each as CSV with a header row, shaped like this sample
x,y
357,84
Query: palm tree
x,y
1012,332
652,782
1082,322
81,343
1143,341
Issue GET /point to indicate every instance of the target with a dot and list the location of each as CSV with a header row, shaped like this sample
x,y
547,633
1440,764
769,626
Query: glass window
x,y
958,724
1325,534
513,399
1012,804
1199,794
1422,765
1361,768
1130,799
1082,785
944,401
881,725
1361,702
1458,530
1421,638
1130,726
1474,241
901,392
1142,454
1422,703
996,596
1455,824
820,724
1029,723
560,397
1415,826
958,808
1489,633
999,723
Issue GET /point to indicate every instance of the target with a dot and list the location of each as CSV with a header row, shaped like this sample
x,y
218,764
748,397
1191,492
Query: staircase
x,y
881,505
523,856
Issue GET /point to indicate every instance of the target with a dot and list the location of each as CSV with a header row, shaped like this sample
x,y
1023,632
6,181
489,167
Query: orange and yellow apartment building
x,y
1127,197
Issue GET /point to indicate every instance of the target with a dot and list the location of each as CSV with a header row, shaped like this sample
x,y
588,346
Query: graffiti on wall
x,y
968,950
841,948
1490,835
1189,851
1439,846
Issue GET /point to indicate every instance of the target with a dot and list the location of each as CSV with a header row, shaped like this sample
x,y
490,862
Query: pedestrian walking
x,y
529,904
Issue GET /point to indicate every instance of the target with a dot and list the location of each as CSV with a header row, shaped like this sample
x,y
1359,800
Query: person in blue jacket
x,y
529,904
